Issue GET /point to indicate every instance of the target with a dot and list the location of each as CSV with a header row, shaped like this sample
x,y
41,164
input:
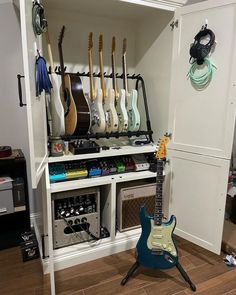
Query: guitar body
x,y
132,110
57,110
97,113
82,106
110,112
122,112
70,110
156,248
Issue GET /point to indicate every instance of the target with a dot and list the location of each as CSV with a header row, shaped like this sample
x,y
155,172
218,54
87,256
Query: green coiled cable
x,y
203,79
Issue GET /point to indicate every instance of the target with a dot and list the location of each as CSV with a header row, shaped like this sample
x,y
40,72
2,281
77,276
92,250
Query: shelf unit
x,y
113,151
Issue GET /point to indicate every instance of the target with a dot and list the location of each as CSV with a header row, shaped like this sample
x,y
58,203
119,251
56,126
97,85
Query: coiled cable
x,y
201,80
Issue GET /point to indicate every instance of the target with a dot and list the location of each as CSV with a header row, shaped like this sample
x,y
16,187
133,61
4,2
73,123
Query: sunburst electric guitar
x,y
96,99
108,98
131,97
119,96
156,248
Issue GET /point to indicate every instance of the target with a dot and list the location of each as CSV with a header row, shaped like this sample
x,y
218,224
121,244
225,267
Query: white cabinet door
x,y
198,188
203,121
36,112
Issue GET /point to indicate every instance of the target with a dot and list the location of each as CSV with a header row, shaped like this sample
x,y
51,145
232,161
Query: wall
x,y
13,127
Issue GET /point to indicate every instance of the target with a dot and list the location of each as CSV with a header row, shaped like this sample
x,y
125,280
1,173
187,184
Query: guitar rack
x,y
107,135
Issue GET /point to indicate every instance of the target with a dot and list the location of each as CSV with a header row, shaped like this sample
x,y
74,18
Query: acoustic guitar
x,y
108,99
56,107
77,115
119,97
156,248
96,100
131,98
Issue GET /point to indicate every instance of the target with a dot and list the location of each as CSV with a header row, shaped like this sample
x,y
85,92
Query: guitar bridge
x,y
157,251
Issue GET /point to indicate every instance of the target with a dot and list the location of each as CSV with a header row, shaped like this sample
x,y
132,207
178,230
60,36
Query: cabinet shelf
x,y
102,180
83,252
113,151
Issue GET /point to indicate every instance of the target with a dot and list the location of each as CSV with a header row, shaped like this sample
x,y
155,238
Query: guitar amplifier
x,y
129,200
75,213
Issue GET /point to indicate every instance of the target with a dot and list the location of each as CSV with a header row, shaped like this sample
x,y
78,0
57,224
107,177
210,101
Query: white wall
x,y
13,123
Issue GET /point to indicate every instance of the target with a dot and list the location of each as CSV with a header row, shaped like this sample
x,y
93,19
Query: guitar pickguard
x,y
160,238
132,110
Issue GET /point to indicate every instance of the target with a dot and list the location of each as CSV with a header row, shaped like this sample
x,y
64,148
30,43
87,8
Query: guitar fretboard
x,y
158,200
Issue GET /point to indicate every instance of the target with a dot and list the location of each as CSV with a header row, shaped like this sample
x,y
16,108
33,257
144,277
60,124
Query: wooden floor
x,y
103,276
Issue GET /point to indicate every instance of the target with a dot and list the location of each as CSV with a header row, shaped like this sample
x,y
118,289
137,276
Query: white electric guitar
x,y
119,97
108,99
96,100
56,107
131,97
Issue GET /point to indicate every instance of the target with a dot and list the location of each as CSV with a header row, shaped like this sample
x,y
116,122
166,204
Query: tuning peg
x,y
168,135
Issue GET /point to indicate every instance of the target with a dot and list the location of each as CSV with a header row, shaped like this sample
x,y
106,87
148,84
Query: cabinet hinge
x,y
174,24
45,255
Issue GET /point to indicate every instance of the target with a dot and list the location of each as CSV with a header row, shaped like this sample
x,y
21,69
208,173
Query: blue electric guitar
x,y
156,248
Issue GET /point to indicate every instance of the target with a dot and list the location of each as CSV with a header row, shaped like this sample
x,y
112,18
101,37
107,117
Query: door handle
x,y
21,104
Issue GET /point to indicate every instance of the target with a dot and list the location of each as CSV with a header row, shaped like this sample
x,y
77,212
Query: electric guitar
x,y
56,107
66,95
156,248
79,106
131,98
119,97
96,101
108,99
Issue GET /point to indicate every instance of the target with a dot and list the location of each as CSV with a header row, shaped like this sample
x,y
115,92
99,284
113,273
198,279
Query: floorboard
x,y
103,276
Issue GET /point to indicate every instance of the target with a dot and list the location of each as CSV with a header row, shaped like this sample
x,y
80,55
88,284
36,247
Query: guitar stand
x,y
178,265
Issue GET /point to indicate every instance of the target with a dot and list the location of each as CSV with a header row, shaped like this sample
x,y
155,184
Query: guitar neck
x,y
125,81
49,52
113,64
62,67
92,92
102,75
158,214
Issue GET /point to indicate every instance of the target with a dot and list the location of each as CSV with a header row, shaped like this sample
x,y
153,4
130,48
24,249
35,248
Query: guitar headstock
x,y
100,43
124,46
113,47
61,36
161,152
90,41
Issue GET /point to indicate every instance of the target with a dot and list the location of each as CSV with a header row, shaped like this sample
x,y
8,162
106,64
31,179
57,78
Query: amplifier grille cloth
x,y
131,207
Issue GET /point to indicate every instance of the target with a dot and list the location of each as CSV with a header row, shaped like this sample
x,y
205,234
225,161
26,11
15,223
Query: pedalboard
x,y
99,167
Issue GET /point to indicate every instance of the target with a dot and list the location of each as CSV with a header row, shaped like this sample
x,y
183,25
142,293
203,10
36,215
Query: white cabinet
x,y
201,122
197,197
36,114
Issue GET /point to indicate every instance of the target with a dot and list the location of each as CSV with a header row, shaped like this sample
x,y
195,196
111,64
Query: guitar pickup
x,y
157,252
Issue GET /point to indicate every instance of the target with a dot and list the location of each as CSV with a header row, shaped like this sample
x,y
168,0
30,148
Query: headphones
x,y
200,51
39,21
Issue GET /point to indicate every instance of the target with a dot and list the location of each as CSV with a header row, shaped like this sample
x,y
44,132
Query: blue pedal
x,y
57,172
93,168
